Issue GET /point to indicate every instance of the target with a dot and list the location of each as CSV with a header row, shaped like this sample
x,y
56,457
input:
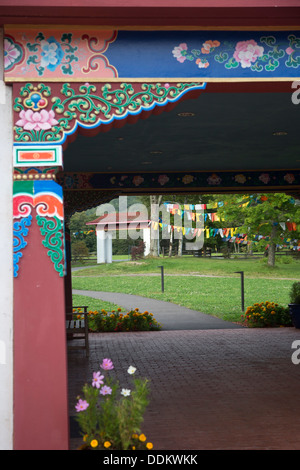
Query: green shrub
x,y
115,320
110,417
266,314
295,293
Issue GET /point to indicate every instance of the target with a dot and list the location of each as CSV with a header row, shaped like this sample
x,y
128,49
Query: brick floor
x,y
210,389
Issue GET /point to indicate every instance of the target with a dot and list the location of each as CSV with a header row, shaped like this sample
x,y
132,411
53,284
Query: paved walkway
x,y
169,315
211,388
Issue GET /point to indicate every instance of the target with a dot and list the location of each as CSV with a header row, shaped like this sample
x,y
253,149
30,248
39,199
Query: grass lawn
x,y
93,261
286,267
218,296
94,304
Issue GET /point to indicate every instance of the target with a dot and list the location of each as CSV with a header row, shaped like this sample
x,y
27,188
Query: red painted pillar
x,y
68,277
40,361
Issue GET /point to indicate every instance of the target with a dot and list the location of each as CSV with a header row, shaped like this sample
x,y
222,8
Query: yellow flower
x,y
94,443
142,437
85,438
134,436
107,444
149,445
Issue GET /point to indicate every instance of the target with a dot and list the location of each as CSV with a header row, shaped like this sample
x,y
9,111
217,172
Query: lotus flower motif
x,y
39,120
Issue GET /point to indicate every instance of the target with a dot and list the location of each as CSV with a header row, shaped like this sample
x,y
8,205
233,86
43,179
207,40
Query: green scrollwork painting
x,y
52,231
42,116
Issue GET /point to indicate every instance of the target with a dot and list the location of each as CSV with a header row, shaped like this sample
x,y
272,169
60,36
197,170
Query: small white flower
x,y
125,392
131,370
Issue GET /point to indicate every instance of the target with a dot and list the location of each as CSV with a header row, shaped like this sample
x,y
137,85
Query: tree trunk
x,y
272,246
180,243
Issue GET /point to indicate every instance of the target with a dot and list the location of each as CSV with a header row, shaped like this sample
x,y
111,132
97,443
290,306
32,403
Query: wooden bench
x,y
79,329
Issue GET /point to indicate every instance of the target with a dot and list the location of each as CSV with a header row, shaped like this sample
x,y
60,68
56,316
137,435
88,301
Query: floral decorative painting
x,y
81,53
264,54
57,53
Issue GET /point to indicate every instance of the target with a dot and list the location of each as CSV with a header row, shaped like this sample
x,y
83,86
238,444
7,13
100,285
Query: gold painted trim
x,y
175,171
201,80
206,189
152,28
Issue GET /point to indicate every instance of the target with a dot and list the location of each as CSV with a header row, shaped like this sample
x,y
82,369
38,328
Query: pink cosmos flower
x,y
246,52
36,121
97,379
107,364
105,390
81,405
179,52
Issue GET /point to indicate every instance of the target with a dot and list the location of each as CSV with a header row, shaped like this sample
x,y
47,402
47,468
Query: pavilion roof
x,y
118,218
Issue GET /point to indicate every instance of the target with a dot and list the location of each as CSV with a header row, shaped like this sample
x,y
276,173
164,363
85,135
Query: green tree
x,y
79,250
268,215
80,231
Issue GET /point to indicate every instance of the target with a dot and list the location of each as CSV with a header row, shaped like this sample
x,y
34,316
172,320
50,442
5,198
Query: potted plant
x,y
110,417
294,305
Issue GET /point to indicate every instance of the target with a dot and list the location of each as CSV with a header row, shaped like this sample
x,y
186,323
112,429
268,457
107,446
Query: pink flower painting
x,y
214,179
163,179
247,52
11,53
36,121
264,178
179,52
289,50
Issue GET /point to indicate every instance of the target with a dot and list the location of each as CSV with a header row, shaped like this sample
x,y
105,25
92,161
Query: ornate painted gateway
x,y
68,81
78,80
